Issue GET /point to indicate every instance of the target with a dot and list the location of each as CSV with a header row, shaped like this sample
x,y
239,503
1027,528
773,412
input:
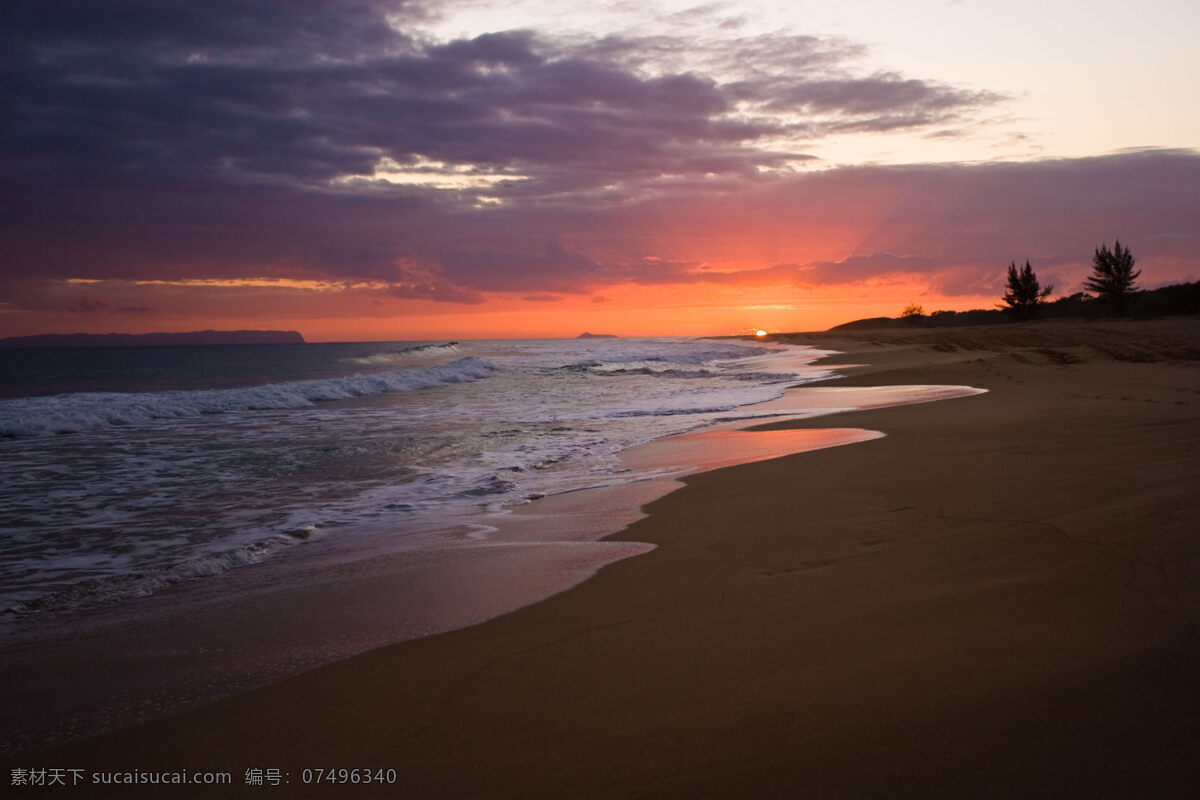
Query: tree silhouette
x,y
1112,275
1025,292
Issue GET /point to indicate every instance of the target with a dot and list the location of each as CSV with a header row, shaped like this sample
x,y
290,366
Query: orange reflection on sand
x,y
811,401
699,452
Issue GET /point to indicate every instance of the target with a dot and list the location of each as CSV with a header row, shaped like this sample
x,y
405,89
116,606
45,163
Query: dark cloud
x,y
186,139
954,226
853,269
87,304
220,139
863,267
177,89
508,48
238,92
419,283
878,103
654,270
772,58
303,93
876,95
553,269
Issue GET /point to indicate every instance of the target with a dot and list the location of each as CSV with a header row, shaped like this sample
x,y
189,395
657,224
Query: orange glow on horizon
x,y
631,312
368,313
371,315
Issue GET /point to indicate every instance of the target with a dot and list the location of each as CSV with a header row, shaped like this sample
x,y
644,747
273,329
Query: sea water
x,y
124,471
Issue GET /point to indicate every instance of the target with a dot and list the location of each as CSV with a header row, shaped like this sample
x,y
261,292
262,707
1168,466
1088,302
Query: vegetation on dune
x,y
1025,292
1112,281
1113,275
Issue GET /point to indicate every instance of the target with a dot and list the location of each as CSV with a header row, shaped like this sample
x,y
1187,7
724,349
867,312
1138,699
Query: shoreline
x,y
201,641
997,598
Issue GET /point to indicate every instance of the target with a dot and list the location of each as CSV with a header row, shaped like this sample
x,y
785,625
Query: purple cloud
x,y
553,269
170,139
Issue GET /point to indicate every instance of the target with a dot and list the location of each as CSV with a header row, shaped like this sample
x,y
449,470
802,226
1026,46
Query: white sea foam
x,y
407,354
36,416
163,487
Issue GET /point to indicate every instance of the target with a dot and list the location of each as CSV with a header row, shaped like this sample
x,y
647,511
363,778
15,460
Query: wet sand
x,y
108,668
998,598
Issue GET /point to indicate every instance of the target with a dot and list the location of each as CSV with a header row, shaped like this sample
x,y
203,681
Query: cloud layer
x,y
152,139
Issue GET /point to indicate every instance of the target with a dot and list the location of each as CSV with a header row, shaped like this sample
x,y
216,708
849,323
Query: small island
x,y
153,339
586,335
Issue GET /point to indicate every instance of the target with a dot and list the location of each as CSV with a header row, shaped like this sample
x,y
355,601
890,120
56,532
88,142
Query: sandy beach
x,y
998,598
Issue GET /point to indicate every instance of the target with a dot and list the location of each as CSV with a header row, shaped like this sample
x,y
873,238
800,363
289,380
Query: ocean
x,y
128,471
180,524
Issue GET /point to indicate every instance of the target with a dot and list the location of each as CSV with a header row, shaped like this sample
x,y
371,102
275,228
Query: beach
x,y
999,597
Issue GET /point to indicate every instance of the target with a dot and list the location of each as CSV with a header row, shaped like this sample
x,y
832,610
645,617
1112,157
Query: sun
x,y
759,332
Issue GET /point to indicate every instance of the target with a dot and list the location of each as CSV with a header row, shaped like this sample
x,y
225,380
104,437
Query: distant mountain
x,y
153,339
586,335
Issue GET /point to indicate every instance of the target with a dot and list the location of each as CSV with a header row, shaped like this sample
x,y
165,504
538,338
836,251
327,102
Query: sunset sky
x,y
478,169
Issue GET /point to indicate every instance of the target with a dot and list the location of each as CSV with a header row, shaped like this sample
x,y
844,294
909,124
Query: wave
x,y
718,361
694,354
445,347
70,413
112,588
663,370
673,412
408,352
709,353
648,359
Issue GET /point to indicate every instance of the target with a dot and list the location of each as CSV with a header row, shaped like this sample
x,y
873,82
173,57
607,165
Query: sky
x,y
420,170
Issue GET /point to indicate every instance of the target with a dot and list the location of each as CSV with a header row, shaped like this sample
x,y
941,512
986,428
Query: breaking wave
x,y
421,350
69,413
